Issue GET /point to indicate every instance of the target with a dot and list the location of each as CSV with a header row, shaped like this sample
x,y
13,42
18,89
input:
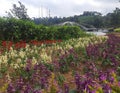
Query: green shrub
x,y
15,30
2,23
117,30
67,32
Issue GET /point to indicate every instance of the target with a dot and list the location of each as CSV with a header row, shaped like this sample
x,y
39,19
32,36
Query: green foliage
x,y
2,24
86,19
115,17
16,30
60,78
117,30
93,20
73,91
67,32
24,73
116,89
49,66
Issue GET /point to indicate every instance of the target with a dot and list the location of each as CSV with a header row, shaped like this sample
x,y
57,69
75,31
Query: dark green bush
x,y
67,32
2,27
16,30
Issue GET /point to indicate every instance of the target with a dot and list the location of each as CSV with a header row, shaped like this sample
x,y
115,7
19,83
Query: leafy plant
x,y
117,30
60,79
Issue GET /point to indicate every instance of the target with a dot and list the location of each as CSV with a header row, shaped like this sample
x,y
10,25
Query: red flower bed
x,y
5,45
35,42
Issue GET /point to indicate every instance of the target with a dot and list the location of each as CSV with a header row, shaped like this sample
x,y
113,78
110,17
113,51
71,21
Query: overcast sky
x,y
60,8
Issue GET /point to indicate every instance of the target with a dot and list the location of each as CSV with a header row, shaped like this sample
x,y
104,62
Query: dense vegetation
x,y
88,17
16,30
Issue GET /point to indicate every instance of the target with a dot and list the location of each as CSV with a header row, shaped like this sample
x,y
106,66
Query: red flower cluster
x,y
35,42
22,44
7,44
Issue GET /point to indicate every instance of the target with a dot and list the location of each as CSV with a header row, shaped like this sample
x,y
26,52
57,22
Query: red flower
x,y
7,44
21,44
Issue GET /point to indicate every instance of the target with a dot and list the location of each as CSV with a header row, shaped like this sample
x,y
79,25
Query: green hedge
x,y
16,30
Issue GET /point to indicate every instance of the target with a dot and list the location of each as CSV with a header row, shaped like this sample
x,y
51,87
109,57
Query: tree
x,y
115,17
19,12
91,13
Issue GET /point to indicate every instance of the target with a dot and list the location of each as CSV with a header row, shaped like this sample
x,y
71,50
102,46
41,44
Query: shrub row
x,y
16,30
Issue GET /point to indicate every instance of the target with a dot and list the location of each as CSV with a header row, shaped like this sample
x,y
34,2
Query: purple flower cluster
x,y
37,81
67,60
90,85
107,52
83,82
66,88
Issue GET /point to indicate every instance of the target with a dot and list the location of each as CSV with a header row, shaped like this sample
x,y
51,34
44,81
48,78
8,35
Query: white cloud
x,y
61,7
4,7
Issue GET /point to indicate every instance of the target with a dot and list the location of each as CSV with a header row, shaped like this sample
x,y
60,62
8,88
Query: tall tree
x,y
115,17
19,12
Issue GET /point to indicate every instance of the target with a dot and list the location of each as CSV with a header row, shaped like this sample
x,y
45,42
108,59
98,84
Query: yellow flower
x,y
34,60
19,60
4,88
22,54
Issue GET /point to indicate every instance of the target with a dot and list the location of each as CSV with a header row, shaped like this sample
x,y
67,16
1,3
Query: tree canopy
x,y
19,12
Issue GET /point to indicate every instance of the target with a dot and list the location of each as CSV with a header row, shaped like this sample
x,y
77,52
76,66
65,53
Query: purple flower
x,y
119,83
35,67
71,50
11,88
37,91
19,83
102,76
43,82
107,88
112,79
94,91
28,89
114,61
66,88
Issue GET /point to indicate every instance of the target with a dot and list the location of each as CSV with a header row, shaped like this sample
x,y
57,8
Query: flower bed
x,y
84,65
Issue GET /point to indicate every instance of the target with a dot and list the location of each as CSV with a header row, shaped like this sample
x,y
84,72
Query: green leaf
x,y
72,91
